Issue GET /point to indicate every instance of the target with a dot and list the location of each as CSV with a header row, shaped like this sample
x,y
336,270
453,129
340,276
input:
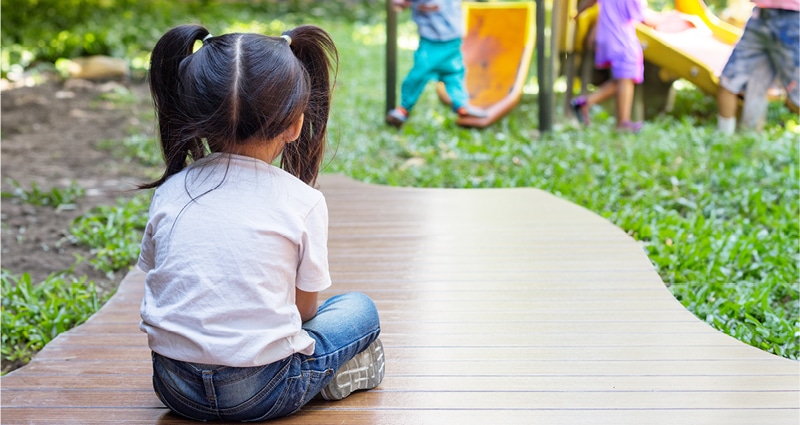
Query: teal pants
x,y
439,61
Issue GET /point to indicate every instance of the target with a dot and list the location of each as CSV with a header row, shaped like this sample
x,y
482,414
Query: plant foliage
x,y
113,232
55,197
32,315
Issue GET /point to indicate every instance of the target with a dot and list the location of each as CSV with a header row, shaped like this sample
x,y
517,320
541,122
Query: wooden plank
x,y
497,306
317,415
481,367
528,327
73,349
453,400
439,383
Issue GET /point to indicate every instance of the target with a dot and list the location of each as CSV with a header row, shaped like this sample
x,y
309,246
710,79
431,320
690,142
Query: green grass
x,y
113,232
54,197
32,315
718,216
137,147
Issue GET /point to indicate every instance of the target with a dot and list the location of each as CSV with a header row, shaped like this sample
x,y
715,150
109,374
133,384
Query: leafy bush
x,y
140,148
32,315
55,197
43,31
113,232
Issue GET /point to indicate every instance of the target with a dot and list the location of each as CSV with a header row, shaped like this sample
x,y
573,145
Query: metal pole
x,y
544,70
391,56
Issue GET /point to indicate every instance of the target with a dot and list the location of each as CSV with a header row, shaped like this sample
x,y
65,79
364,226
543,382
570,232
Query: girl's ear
x,y
293,132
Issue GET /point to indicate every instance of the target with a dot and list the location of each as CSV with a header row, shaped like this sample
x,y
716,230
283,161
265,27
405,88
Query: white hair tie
x,y
287,38
205,39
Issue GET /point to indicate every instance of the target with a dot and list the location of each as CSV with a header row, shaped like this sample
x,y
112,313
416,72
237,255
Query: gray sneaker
x,y
397,117
471,111
362,372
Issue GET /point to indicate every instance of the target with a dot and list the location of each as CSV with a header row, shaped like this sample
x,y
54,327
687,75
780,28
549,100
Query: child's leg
x,y
451,71
627,72
727,102
748,53
345,325
625,88
786,60
604,92
421,72
582,103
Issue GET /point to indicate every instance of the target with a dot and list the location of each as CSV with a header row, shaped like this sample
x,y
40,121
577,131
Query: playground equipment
x,y
692,44
689,43
497,48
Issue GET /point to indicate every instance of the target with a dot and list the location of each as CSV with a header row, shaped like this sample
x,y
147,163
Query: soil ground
x,y
51,136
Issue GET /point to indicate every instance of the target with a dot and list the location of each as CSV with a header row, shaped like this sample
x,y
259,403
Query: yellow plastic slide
x,y
498,47
689,43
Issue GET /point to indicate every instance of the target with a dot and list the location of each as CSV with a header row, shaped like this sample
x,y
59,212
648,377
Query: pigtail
x,y
315,49
165,76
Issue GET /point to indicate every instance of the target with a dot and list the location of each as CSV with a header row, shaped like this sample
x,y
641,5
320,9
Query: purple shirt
x,y
616,32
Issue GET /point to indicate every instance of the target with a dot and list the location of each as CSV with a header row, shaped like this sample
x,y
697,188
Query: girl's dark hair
x,y
238,88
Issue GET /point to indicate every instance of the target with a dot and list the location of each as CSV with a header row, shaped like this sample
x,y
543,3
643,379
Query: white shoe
x,y
362,372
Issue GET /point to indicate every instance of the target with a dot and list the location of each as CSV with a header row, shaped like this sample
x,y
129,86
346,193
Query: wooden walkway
x,y
498,306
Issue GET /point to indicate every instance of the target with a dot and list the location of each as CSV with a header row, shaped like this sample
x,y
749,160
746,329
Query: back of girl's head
x,y
240,88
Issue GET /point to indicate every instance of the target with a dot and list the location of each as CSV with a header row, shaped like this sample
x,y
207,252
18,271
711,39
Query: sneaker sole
x,y
479,116
394,121
363,372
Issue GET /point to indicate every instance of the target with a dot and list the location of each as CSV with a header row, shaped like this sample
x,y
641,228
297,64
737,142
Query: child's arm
x,y
399,5
306,303
428,7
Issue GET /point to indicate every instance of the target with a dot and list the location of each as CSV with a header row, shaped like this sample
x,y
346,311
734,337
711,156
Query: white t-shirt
x,y
222,269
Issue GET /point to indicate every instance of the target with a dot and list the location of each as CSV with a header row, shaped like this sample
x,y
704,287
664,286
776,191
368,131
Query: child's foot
x,y
397,117
362,372
631,127
581,109
471,111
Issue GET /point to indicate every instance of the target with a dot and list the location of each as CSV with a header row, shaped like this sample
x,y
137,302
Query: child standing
x,y
770,43
438,57
235,248
618,48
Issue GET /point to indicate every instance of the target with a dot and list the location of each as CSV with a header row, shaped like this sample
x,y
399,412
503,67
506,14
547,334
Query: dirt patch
x,y
52,136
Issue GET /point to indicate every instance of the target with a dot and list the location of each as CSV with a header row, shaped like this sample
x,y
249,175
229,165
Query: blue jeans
x,y
344,326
